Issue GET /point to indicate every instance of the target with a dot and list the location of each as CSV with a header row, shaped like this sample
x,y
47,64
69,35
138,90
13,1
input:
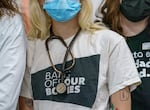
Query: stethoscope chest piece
x,y
61,88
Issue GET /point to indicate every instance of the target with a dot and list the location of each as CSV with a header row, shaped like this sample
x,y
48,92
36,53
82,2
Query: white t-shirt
x,y
103,65
12,60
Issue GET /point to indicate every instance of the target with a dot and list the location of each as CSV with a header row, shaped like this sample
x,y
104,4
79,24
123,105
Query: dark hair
x,y
112,16
8,7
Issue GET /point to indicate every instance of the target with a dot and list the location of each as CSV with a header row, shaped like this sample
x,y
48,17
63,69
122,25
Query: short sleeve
x,y
122,70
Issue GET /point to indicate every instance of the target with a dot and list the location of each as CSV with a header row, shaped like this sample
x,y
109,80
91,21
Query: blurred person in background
x,y
131,18
12,54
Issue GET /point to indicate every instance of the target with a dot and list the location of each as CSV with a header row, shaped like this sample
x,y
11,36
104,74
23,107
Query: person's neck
x,y
65,29
132,28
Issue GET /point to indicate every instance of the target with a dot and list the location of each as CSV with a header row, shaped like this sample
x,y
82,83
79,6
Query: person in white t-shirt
x,y
73,63
12,54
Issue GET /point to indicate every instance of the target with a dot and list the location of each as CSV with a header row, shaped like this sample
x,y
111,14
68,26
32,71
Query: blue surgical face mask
x,y
62,10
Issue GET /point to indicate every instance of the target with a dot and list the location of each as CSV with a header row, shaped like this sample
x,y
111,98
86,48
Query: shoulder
x,y
11,21
12,29
107,38
7,18
103,37
107,35
104,41
12,26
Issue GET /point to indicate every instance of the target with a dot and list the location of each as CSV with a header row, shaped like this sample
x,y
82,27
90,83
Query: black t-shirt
x,y
140,47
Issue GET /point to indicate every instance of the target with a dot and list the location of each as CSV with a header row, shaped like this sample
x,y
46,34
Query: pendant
x,y
61,88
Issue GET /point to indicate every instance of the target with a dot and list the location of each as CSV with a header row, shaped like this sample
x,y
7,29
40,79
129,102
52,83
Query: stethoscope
x,y
61,87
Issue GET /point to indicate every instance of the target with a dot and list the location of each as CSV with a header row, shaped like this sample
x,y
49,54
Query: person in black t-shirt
x,y
131,18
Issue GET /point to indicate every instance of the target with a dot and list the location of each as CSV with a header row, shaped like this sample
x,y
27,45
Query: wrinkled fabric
x,y
12,60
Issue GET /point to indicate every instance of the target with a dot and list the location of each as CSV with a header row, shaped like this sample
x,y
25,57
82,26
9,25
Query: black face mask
x,y
135,10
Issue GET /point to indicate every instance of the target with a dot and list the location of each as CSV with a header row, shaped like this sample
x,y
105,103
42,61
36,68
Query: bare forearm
x,y
25,103
121,100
